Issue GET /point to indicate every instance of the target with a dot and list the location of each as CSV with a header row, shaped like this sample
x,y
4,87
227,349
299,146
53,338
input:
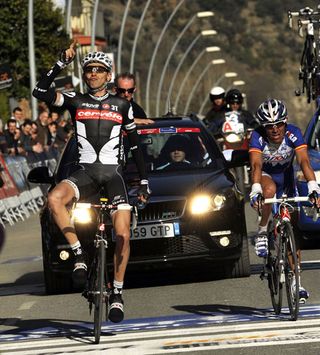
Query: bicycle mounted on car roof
x,y
309,71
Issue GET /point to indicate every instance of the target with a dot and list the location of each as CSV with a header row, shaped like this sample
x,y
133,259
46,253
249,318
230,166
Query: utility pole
x,y
32,60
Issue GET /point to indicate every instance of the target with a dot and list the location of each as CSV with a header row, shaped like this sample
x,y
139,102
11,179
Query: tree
x,y
50,38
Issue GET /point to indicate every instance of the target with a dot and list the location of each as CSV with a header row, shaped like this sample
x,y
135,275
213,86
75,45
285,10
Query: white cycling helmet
x,y
97,57
217,92
272,111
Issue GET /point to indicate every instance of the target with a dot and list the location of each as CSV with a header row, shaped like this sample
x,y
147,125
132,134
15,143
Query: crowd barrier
x,y
18,197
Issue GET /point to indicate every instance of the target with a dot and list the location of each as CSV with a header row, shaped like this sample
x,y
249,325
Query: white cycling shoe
x,y
261,245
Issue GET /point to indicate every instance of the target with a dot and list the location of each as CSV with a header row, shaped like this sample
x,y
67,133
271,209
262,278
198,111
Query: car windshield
x,y
174,148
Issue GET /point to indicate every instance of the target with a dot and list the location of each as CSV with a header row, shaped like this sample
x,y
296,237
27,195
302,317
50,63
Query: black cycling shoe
x,y
79,274
116,313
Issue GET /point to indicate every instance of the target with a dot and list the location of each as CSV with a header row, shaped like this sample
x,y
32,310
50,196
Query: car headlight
x,y
233,138
201,204
81,214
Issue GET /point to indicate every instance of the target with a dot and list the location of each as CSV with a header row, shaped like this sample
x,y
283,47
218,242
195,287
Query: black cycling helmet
x,y
217,92
234,96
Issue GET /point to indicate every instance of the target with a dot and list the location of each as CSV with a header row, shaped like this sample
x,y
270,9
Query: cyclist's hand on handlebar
x,y
314,193
144,191
256,197
256,201
315,198
67,55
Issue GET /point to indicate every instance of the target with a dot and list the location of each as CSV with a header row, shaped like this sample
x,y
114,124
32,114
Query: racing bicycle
x,y
98,286
309,71
281,266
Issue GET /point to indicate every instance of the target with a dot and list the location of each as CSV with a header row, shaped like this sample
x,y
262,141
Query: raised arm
x,y
42,91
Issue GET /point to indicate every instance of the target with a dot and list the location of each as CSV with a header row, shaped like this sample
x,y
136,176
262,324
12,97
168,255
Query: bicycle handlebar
x,y
286,199
295,199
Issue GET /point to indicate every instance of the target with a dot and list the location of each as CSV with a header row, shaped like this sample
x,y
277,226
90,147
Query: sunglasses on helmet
x,y
123,91
97,69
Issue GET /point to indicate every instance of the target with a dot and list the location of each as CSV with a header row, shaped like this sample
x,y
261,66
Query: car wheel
x,y
241,266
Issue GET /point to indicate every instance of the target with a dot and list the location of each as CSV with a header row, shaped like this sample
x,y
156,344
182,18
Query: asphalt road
x,y
167,311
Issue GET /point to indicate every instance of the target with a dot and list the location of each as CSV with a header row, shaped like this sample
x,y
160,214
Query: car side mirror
x,y
40,175
236,158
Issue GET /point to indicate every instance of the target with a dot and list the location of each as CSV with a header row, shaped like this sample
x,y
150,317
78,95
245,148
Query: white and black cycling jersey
x,y
98,124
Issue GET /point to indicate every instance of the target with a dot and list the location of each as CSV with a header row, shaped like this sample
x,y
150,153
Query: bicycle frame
x,y
98,286
281,267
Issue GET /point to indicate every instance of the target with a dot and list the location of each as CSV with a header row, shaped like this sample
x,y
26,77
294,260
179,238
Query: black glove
x,y
144,190
313,196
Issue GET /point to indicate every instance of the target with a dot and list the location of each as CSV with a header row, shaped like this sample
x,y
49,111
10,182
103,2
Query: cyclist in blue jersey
x,y
98,119
273,146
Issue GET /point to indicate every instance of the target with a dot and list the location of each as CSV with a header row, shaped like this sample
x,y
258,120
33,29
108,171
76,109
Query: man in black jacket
x,y
125,86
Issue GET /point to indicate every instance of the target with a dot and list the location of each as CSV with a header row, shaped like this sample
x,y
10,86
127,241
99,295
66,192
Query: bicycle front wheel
x,y
274,270
99,290
291,268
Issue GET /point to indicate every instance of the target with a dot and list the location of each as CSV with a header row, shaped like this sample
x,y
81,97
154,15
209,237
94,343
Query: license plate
x,y
151,231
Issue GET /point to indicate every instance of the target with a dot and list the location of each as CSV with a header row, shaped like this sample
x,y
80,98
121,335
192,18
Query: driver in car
x,y
175,153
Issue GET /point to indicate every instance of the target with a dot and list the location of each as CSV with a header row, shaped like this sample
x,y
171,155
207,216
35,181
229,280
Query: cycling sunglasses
x,y
123,91
271,125
93,69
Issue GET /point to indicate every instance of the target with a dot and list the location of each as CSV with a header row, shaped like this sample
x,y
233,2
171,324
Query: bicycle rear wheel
x,y
291,271
274,270
99,291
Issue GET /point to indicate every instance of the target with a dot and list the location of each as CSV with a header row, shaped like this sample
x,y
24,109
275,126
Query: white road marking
x,y
174,340
26,305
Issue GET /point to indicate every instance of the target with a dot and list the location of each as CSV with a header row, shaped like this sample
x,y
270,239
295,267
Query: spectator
x,y
54,117
55,141
17,115
125,86
3,142
29,145
42,123
13,135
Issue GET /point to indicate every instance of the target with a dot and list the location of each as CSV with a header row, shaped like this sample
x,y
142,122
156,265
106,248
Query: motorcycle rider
x,y
234,101
272,148
217,97
98,120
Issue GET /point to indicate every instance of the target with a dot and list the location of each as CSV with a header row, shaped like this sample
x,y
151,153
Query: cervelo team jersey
x,y
277,158
98,122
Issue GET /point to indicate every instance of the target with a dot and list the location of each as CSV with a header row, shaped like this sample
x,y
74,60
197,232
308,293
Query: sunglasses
x,y
271,126
95,70
123,91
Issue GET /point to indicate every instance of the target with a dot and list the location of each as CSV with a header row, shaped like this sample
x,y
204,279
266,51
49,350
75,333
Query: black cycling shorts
x,y
91,178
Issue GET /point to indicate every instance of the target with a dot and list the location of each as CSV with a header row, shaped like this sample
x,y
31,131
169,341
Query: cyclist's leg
x,y
58,200
261,240
121,223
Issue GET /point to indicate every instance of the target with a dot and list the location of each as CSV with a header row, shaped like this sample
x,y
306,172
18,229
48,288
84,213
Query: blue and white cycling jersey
x,y
277,158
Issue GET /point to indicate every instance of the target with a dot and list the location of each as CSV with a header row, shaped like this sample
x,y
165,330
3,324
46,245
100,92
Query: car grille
x,y
179,246
167,210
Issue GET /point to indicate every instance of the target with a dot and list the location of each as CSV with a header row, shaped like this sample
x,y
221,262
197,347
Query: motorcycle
x,y
234,135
